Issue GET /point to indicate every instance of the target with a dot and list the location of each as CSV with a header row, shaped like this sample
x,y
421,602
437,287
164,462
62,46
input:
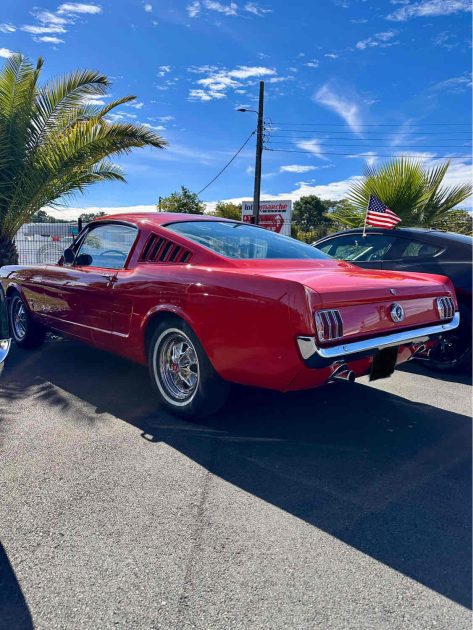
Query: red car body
x,y
253,317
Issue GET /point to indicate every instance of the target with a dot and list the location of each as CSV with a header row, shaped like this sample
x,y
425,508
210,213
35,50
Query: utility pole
x,y
259,154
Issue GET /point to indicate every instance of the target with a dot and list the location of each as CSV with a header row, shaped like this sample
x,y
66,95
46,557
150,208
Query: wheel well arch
x,y
154,320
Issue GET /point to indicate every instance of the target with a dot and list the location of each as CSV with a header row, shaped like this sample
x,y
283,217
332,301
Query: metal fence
x,y
44,243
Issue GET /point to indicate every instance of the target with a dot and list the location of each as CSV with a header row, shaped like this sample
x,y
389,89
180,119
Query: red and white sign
x,y
274,215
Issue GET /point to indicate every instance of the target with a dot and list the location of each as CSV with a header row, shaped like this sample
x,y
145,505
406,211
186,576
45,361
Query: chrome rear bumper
x,y
308,345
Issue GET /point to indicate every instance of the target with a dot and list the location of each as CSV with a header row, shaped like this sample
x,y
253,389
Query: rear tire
x,y
453,353
24,330
181,373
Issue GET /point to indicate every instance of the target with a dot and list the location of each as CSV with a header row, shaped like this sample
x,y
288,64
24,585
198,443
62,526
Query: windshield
x,y
238,240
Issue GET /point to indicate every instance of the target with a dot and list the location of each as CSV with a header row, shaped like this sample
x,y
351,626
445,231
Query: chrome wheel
x,y
19,319
176,366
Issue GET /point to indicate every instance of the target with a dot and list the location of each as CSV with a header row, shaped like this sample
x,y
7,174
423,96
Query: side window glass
x,y
417,249
106,246
357,247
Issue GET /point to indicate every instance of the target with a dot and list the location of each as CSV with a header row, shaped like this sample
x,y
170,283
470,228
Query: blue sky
x,y
342,77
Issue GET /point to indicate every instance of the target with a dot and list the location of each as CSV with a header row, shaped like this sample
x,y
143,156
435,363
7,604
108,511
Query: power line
x,y
437,157
297,124
350,133
228,163
387,146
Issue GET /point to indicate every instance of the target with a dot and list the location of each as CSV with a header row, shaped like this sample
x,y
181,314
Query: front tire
x,y
181,373
24,330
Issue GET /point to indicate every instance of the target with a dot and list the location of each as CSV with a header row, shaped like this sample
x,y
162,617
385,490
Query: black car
x,y
414,249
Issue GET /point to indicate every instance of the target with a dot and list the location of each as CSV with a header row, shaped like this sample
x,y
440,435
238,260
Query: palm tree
x,y
54,142
409,189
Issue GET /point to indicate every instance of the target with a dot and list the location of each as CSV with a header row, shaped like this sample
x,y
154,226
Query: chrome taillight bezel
x,y
329,324
445,307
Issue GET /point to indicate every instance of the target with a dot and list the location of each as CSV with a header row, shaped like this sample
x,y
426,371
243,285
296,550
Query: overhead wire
x,y
228,163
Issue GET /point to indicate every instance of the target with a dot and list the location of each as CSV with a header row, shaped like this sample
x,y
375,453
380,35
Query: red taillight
x,y
445,307
329,324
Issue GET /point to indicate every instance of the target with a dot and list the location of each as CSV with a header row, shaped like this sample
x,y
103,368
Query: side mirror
x,y
68,256
83,260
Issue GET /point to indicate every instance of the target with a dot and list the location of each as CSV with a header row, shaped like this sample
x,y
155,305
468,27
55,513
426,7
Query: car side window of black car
x,y
356,247
106,246
411,248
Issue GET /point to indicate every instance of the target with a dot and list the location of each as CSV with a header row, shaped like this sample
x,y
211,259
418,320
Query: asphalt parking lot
x,y
346,507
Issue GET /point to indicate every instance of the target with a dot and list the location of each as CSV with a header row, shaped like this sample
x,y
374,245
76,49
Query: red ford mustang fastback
x,y
205,301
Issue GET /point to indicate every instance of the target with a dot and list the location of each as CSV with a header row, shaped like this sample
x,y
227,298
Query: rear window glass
x,y
238,240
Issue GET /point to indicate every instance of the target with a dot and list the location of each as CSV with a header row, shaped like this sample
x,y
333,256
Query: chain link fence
x,y
44,243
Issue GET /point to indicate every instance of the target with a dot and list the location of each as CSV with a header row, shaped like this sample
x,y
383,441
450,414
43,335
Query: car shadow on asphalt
x,y
388,476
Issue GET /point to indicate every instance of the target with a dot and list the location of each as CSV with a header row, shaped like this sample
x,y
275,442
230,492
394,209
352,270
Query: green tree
x,y
228,210
415,193
87,217
460,221
41,216
53,144
183,201
309,218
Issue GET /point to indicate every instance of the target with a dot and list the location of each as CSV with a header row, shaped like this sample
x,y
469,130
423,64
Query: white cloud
x,y
59,21
252,7
7,28
41,30
314,63
78,7
297,168
455,85
429,8
359,21
370,157
134,105
232,9
381,40
312,146
193,9
226,9
163,70
277,80
349,111
219,80
48,39
148,7
165,118
4,52
445,40
331,55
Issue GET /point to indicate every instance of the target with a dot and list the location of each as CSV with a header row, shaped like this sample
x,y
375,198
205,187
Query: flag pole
x,y
366,217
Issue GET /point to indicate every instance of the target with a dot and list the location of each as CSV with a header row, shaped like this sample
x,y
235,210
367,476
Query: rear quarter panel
x,y
246,324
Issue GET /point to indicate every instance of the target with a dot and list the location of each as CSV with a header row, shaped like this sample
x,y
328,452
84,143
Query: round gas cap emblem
x,y
397,312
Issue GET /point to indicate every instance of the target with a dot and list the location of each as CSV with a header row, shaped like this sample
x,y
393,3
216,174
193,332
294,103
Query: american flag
x,y
379,215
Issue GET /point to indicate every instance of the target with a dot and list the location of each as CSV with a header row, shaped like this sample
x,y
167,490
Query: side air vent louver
x,y
329,324
161,250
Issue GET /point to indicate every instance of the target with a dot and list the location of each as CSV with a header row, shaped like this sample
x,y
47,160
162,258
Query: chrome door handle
x,y
110,278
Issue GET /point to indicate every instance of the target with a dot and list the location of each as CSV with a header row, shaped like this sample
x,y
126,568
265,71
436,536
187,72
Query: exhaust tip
x,y
342,374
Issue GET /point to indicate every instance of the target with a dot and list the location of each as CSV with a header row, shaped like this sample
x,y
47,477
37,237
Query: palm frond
x,y
54,141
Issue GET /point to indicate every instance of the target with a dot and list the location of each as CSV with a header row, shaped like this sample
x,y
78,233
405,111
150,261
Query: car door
x,y
79,296
364,251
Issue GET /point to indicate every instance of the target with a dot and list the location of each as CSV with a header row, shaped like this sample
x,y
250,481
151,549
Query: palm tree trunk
x,y
8,251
